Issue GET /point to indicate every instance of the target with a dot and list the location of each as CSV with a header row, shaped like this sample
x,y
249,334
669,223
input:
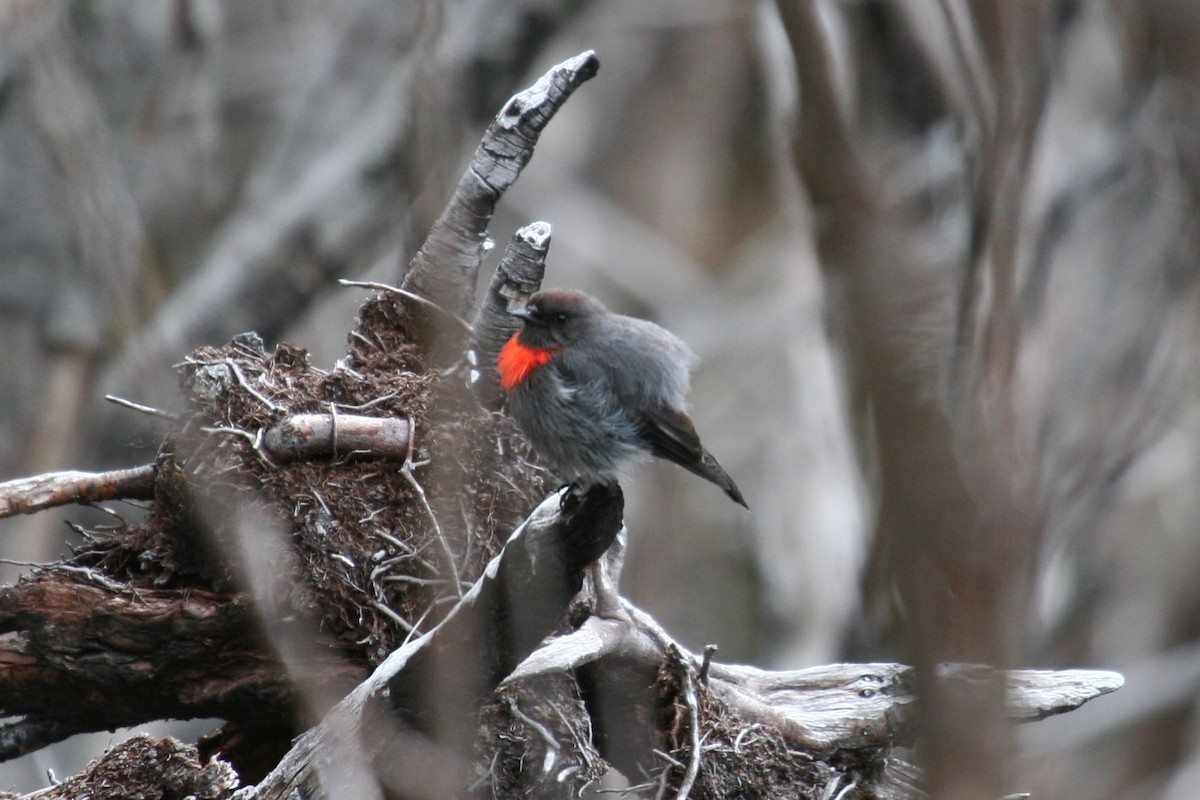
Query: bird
x,y
596,392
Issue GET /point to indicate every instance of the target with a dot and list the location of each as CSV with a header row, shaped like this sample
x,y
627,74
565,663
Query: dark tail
x,y
670,434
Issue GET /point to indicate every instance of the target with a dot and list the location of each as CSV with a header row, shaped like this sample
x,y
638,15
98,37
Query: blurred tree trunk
x,y
964,264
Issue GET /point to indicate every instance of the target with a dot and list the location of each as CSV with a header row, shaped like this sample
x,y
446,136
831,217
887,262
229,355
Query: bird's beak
x,y
522,313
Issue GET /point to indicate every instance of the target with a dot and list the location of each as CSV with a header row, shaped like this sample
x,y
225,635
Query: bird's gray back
x,y
645,362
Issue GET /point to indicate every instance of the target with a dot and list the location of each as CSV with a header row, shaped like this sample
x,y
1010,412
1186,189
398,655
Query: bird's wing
x,y
647,364
671,435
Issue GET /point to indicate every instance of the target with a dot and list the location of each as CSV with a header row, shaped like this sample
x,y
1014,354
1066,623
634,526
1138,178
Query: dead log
x,y
804,730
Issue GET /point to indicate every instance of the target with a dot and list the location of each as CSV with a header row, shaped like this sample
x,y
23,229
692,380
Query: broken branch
x,y
445,269
27,495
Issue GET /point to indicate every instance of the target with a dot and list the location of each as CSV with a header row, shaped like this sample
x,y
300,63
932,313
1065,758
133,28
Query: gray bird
x,y
596,391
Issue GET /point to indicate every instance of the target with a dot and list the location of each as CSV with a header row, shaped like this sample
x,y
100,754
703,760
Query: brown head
x,y
557,318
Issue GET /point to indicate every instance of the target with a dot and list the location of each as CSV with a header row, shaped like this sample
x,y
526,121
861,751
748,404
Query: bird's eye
x,y
560,317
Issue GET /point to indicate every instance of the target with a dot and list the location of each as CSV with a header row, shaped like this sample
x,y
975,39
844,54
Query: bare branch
x,y
298,436
158,653
446,268
27,495
150,410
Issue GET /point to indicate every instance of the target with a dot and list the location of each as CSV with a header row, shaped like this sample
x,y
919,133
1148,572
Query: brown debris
x,y
738,757
363,540
146,767
535,742
358,550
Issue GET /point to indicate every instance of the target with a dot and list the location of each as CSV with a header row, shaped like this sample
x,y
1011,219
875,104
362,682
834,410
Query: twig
x,y
96,578
742,734
414,580
662,784
834,790
406,471
387,537
490,775
14,562
552,745
706,662
364,406
393,616
154,412
257,442
112,512
237,372
693,706
247,435
580,745
406,552
417,626
630,790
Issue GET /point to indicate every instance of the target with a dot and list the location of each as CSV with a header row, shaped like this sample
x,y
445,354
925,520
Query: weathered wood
x,y
852,705
518,275
422,698
338,436
418,708
298,436
826,710
446,268
85,653
27,495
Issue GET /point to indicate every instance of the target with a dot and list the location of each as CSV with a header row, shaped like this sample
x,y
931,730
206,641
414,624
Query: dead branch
x,y
27,495
84,653
844,716
518,275
446,267
851,714
299,436
338,435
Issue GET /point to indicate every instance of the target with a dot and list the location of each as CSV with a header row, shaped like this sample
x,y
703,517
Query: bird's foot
x,y
604,590
578,491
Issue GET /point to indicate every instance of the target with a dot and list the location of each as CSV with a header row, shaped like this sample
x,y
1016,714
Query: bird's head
x,y
557,318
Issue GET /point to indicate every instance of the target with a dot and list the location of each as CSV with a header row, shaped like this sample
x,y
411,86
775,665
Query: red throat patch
x,y
517,361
